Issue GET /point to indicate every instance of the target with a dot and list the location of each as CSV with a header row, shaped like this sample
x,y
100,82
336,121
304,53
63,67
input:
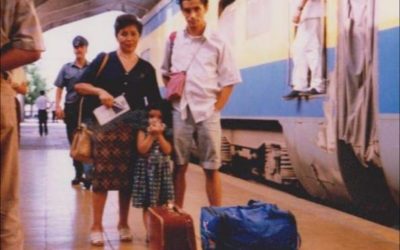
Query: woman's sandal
x,y
125,234
96,238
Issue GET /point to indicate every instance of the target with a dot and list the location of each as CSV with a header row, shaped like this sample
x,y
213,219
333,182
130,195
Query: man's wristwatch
x,y
299,8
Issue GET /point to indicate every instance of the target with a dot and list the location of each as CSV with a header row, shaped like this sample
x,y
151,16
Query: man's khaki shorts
x,y
208,139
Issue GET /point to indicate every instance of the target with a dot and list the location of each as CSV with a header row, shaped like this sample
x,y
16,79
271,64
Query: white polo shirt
x,y
41,102
212,68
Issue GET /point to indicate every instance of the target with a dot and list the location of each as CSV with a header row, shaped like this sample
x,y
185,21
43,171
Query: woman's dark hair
x,y
166,110
125,20
204,2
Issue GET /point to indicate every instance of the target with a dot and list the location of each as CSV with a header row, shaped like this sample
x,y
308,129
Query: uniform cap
x,y
79,41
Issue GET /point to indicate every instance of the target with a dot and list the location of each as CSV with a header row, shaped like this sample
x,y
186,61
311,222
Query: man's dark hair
x,y
125,20
41,92
204,2
223,4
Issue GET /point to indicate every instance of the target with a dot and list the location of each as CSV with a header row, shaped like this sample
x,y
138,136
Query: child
x,y
152,178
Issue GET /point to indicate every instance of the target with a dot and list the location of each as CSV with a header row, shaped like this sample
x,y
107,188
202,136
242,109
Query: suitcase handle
x,y
173,207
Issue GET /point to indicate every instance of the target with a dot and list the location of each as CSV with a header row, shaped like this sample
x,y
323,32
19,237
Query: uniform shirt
x,y
41,102
23,32
312,9
211,69
68,77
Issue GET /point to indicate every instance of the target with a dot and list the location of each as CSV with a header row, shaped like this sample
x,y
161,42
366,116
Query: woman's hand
x,y
105,98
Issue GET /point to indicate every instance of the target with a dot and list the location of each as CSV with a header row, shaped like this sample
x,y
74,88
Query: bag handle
x,y
172,38
195,54
102,65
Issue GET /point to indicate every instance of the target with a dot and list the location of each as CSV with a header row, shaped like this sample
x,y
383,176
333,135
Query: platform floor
x,y
57,216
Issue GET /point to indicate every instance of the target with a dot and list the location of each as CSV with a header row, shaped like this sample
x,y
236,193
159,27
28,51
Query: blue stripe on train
x,y
159,18
260,93
263,86
389,78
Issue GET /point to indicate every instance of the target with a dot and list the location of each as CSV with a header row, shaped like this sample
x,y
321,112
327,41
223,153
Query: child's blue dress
x,y
152,179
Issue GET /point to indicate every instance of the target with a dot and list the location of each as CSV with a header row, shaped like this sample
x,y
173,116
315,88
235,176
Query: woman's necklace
x,y
126,56
127,60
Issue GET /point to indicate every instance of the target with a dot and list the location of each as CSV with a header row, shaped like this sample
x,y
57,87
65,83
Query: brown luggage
x,y
170,228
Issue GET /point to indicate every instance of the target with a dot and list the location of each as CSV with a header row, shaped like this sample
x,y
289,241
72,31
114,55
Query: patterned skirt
x,y
113,157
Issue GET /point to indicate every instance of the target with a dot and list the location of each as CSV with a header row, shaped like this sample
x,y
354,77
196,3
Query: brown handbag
x,y
81,146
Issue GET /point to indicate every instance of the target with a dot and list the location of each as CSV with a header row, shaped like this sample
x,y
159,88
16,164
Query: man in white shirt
x,y
210,77
307,49
41,104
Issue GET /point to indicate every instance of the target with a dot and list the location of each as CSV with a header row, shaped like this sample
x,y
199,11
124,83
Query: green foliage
x,y
36,84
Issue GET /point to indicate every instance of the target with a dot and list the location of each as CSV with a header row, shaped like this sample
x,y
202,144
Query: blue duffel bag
x,y
257,226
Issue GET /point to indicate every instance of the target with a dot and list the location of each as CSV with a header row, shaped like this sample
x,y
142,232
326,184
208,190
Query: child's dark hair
x,y
166,110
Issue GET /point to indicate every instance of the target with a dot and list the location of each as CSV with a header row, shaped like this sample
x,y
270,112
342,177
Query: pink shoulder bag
x,y
176,81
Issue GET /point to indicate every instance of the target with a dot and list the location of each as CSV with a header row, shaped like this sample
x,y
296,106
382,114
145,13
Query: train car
x,y
342,146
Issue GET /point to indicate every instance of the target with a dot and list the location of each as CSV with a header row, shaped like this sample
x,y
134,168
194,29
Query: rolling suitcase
x,y
170,228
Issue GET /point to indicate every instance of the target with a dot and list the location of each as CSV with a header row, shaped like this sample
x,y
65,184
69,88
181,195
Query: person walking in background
x,y
21,43
67,78
307,49
152,176
42,104
209,82
124,74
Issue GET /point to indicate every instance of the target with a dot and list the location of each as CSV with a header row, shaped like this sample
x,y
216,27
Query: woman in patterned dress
x,y
152,176
125,74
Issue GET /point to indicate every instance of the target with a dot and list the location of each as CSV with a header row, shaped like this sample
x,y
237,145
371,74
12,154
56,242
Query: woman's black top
x,y
139,85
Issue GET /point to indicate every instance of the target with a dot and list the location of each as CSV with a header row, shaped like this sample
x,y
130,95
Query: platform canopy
x,y
54,13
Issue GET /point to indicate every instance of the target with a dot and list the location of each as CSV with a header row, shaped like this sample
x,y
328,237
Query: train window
x,y
258,21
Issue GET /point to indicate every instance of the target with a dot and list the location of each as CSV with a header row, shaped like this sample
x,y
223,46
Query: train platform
x,y
57,216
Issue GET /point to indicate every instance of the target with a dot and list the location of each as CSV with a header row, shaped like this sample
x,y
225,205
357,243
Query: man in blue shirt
x,y
67,78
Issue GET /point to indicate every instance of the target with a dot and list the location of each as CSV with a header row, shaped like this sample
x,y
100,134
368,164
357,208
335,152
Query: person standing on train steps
x,y
209,83
21,43
307,49
67,78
